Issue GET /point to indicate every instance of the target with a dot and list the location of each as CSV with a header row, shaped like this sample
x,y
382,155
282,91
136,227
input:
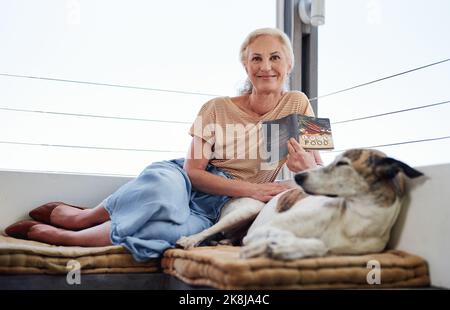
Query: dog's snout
x,y
300,178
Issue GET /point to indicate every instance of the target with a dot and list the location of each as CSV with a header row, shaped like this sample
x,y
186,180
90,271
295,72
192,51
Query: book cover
x,y
313,133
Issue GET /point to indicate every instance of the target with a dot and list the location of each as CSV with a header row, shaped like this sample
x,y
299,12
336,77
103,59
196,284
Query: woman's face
x,y
267,64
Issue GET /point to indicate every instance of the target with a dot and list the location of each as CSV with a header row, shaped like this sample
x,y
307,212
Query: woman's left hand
x,y
298,159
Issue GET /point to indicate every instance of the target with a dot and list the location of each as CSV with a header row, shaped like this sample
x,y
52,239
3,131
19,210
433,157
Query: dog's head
x,y
358,172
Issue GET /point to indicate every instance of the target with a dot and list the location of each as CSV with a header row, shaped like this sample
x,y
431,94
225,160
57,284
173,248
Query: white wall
x,y
22,191
423,227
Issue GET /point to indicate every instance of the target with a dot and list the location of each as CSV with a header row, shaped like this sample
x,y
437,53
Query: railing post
x,y
304,39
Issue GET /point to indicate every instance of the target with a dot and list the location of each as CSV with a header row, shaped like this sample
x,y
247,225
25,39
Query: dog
x,y
347,207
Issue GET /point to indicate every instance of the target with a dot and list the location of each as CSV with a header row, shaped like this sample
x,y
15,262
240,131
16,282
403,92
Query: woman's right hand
x,y
266,191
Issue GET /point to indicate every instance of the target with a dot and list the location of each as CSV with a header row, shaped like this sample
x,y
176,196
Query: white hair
x,y
274,32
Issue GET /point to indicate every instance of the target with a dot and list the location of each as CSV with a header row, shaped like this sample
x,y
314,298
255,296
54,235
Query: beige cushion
x,y
24,256
222,268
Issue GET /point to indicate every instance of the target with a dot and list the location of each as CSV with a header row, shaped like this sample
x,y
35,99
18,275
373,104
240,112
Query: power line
x,y
183,122
392,112
126,175
393,144
109,85
378,80
171,151
91,147
212,95
95,116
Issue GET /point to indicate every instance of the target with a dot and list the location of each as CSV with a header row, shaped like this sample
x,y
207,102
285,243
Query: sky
x,y
363,41
193,46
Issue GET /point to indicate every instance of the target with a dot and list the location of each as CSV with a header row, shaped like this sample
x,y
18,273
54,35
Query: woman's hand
x,y
266,191
298,159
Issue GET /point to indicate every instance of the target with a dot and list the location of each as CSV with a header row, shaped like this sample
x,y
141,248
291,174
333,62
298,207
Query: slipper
x,y
20,229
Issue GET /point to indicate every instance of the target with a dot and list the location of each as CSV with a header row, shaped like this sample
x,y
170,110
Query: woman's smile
x,y
266,77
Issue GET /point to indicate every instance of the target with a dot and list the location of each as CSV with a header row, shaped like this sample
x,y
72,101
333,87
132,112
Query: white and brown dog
x,y
348,207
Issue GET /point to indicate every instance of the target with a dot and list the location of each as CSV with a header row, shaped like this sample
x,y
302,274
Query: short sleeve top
x,y
236,136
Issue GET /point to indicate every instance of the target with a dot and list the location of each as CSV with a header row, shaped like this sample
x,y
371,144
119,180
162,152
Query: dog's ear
x,y
387,168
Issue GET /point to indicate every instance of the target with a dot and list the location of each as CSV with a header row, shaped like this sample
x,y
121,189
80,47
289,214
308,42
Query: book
x,y
313,133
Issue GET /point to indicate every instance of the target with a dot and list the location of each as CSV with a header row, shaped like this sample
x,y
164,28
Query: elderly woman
x,y
181,197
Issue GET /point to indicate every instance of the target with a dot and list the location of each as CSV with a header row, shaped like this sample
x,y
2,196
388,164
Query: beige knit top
x,y
236,136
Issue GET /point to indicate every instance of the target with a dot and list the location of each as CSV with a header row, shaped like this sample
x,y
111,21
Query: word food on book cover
x,y
315,133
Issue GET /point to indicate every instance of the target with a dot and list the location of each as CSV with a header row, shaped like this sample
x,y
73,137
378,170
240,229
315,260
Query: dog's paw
x,y
294,248
187,242
255,249
284,248
280,244
273,248
265,233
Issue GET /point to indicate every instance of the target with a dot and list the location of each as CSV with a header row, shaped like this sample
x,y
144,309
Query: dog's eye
x,y
341,163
